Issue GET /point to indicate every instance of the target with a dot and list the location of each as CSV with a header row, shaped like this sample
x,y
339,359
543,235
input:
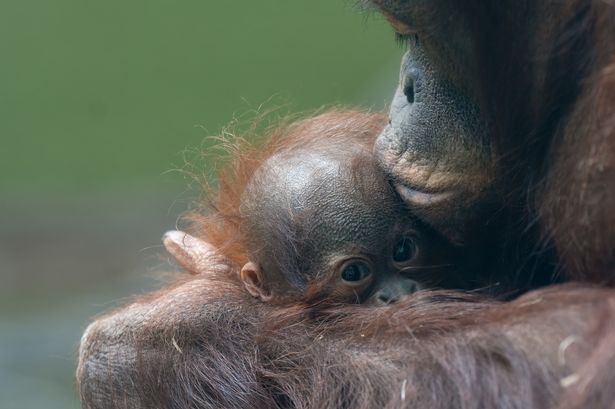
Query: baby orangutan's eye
x,y
355,271
405,250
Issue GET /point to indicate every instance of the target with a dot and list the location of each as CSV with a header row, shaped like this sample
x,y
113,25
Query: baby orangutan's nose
x,y
386,297
394,291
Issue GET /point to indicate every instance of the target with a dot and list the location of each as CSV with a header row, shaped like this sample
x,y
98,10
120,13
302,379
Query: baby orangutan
x,y
311,218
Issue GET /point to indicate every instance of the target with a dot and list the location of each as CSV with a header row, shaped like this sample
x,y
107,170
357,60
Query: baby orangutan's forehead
x,y
320,202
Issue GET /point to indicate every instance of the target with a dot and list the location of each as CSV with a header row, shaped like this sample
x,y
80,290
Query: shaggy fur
x,y
545,76
205,343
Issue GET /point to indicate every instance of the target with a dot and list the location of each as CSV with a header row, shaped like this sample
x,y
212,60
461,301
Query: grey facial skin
x,y
321,209
499,117
436,147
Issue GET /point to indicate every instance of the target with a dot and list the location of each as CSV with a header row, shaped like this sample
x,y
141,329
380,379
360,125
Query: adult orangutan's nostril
x,y
409,89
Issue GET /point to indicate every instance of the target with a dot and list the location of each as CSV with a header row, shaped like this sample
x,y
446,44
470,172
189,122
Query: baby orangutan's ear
x,y
252,278
193,254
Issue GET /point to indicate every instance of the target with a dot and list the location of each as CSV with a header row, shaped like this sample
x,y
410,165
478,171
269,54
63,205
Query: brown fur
x,y
205,343
280,249
546,77
218,222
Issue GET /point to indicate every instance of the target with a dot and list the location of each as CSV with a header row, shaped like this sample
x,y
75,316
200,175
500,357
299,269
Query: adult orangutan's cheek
x,y
436,148
436,144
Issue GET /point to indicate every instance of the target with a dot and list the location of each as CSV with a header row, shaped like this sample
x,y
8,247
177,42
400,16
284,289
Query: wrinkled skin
x,y
509,105
436,147
310,211
307,216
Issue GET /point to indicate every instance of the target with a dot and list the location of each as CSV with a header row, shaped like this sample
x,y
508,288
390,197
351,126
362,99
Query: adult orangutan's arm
x,y
204,344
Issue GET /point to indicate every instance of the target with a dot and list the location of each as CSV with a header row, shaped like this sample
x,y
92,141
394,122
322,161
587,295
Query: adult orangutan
x,y
510,104
504,110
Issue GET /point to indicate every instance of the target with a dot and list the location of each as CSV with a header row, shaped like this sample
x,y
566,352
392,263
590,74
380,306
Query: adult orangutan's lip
x,y
418,198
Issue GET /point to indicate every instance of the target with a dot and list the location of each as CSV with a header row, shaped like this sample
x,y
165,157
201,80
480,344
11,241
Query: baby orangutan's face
x,y
329,227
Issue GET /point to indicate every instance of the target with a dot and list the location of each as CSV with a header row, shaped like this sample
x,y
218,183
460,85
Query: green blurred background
x,y
99,101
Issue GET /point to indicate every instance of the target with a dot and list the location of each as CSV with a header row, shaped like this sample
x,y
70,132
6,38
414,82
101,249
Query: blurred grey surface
x,y
61,264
